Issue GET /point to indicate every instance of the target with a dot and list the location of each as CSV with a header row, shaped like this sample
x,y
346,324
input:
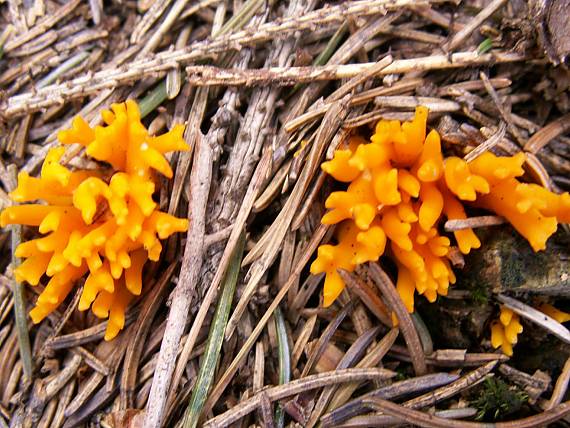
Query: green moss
x,y
497,400
480,292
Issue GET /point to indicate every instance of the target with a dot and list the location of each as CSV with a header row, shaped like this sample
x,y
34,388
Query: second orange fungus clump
x,y
105,227
505,330
400,188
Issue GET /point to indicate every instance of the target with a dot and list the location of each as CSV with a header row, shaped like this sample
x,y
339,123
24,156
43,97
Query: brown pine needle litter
x,y
230,326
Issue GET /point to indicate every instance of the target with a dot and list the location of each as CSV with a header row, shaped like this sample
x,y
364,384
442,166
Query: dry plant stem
x,y
233,240
13,380
360,79
382,420
456,89
216,134
545,135
359,99
409,332
220,235
192,133
288,76
82,86
136,344
242,16
371,359
297,387
560,388
473,222
505,114
460,358
81,403
473,24
202,50
165,25
350,357
96,7
319,348
253,134
265,410
273,188
149,18
360,319
42,26
302,340
243,157
491,142
411,102
259,368
64,318
237,229
431,398
534,385
430,421
368,297
269,243
309,202
537,170
468,380
200,180
65,398
265,250
92,361
246,347
49,391
191,10
90,334
438,18
388,392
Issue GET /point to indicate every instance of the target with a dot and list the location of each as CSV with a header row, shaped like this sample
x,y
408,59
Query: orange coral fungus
x,y
554,313
400,187
104,227
504,332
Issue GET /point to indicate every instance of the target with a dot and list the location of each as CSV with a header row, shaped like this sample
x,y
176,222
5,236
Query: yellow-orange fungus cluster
x,y
104,227
554,313
400,188
504,332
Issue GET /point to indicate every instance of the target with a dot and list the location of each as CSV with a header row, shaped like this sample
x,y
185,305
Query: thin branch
x,y
488,144
297,387
473,222
200,180
560,388
209,75
545,135
474,24
430,421
246,347
41,27
383,281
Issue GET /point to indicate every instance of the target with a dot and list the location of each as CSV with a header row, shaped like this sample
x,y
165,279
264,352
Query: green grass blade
x,y
215,340
154,98
20,310
284,360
